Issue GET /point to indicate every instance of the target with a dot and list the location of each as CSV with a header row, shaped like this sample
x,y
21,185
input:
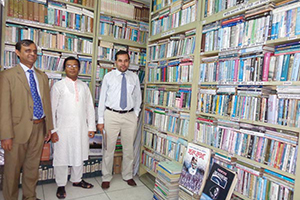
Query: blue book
x,y
220,103
77,21
288,23
297,28
241,71
297,124
295,67
279,64
235,98
273,27
280,176
285,67
280,111
259,188
277,25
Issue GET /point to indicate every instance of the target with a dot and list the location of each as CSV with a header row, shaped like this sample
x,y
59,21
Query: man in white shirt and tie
x,y
118,110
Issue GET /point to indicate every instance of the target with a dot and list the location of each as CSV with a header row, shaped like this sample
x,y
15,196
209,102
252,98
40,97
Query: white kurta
x,y
73,116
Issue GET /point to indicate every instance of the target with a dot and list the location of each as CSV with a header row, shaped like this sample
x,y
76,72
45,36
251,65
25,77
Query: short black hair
x,y
121,52
71,58
25,43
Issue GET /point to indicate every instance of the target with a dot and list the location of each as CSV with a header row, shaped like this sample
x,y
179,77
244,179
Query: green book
x,y
171,167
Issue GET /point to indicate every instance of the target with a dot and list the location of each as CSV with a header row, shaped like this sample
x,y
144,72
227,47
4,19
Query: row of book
x,y
49,61
103,69
280,65
151,159
256,183
172,97
252,104
254,186
275,149
171,71
212,7
178,45
53,13
167,121
46,39
172,147
286,20
123,29
137,56
160,4
254,27
107,51
91,168
126,8
173,17
87,3
237,32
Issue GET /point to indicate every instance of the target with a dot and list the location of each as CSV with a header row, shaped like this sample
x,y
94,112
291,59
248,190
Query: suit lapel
x,y
21,75
40,79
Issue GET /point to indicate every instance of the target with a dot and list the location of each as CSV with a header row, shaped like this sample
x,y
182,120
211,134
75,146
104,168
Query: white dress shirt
x,y
25,68
111,92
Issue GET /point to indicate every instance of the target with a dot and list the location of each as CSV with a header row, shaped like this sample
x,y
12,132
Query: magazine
x,y
195,169
220,184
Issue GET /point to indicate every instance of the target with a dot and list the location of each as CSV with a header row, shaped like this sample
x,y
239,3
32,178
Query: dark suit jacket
x,y
16,104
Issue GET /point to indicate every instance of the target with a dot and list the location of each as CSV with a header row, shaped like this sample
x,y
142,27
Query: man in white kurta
x,y
74,122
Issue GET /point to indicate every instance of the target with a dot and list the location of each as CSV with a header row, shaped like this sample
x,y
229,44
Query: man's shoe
x,y
131,182
105,185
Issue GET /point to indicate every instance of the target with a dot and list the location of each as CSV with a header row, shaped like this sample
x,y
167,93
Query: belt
x,y
37,121
120,111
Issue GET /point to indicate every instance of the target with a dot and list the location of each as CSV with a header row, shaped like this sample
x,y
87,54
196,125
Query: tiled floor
x,y
118,190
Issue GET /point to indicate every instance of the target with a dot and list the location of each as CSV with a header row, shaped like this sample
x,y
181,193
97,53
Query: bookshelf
x,y
266,111
169,83
77,34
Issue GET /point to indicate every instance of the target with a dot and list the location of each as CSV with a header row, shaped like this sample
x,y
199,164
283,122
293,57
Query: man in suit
x,y
25,121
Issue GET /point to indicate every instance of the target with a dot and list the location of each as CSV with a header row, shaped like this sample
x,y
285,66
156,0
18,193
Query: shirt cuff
x,y
54,130
100,121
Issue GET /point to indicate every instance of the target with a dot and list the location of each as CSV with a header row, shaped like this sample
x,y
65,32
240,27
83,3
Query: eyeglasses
x,y
71,66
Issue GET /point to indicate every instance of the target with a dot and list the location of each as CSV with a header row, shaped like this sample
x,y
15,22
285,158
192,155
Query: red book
x,y
266,66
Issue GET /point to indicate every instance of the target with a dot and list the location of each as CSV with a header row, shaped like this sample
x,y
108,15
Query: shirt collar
x,y
25,68
120,73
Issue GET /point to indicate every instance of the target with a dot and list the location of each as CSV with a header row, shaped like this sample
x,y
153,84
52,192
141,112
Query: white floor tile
x,y
132,193
118,190
73,192
117,183
95,197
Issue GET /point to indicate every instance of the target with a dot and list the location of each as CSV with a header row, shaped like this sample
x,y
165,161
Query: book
x,y
195,169
219,184
96,145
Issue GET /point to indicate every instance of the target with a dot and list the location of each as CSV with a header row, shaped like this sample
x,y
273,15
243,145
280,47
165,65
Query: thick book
x,y
195,169
219,184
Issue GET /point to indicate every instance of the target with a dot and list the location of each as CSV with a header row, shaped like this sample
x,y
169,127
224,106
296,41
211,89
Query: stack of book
x,y
166,182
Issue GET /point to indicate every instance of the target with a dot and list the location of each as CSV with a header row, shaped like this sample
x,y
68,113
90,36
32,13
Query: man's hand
x,y
100,127
48,136
7,144
54,137
91,134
